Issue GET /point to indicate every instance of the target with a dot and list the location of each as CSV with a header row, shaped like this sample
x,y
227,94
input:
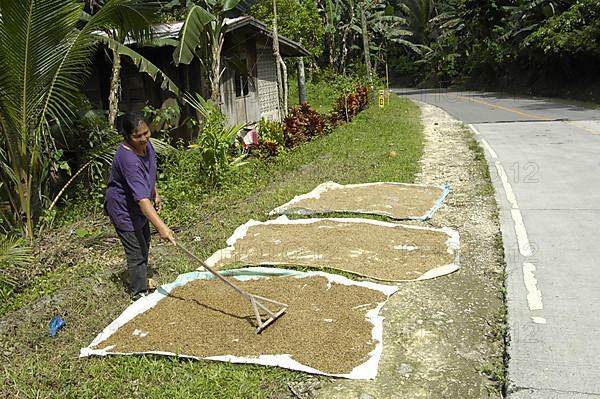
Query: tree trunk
x,y
115,90
301,81
363,20
18,188
331,50
345,38
278,66
285,86
215,69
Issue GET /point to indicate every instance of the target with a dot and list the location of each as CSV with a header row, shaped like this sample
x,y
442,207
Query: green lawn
x,y
320,96
379,145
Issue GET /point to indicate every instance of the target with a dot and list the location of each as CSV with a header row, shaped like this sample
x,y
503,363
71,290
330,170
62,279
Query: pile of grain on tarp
x,y
370,248
394,200
331,326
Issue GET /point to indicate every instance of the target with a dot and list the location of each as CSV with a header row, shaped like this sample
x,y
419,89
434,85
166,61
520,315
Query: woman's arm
x,y
149,211
156,199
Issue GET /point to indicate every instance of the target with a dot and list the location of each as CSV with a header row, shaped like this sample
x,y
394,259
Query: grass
x,y
322,93
379,145
45,286
487,188
320,96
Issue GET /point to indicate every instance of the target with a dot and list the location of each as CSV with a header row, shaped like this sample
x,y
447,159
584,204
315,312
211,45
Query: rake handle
x,y
254,299
214,272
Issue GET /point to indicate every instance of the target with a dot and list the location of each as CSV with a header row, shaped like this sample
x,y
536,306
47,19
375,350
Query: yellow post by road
x,y
381,98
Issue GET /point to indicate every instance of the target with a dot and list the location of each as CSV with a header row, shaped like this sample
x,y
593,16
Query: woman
x,y
132,200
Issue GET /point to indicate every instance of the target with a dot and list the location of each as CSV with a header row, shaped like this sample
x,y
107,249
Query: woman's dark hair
x,y
130,122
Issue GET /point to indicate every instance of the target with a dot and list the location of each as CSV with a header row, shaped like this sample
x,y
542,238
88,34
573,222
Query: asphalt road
x,y
544,161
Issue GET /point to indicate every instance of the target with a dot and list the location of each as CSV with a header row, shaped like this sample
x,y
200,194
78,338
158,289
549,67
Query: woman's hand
x,y
167,234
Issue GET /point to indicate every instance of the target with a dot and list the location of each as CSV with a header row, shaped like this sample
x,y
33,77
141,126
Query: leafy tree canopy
x,y
576,30
299,20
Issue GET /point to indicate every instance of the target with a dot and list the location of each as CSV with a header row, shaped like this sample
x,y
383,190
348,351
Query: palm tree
x,y
45,53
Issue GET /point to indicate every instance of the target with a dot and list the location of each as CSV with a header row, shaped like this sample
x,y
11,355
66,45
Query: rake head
x,y
257,307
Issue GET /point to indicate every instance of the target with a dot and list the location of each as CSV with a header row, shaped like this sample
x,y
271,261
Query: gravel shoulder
x,y
444,338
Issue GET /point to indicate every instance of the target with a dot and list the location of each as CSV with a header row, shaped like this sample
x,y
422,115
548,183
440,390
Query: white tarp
x,y
366,370
452,242
295,205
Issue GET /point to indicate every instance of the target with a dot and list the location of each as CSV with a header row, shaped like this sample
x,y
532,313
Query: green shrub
x,y
214,144
302,124
179,185
574,31
348,105
163,120
271,131
270,138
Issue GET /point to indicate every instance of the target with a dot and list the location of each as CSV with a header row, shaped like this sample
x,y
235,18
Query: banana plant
x,y
377,31
387,30
334,13
419,15
528,16
202,36
215,141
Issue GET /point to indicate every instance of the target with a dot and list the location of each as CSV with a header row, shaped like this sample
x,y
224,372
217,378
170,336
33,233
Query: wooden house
x,y
245,97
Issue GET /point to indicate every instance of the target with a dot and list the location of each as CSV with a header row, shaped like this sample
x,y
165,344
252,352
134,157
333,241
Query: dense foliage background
x,y
538,46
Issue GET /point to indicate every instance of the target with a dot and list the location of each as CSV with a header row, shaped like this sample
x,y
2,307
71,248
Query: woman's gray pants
x,y
136,244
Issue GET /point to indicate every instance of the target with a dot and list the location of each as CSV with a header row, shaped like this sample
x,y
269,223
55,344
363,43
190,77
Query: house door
x,y
241,97
241,114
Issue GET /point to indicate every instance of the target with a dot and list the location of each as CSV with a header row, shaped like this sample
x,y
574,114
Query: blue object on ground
x,y
55,324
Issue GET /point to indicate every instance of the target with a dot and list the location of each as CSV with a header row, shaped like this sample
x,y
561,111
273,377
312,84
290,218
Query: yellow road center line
x,y
507,109
577,125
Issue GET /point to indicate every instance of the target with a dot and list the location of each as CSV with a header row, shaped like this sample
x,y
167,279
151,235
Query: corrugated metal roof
x,y
171,31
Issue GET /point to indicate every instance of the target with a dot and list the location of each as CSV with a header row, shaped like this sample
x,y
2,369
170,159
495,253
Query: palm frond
x,y
161,42
142,63
134,17
14,255
229,5
189,36
162,147
33,41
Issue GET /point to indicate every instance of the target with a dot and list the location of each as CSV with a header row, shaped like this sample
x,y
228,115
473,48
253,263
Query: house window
x,y
241,83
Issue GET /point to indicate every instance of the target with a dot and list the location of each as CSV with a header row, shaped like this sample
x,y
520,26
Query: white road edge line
x,y
510,194
534,295
490,150
522,240
483,141
473,129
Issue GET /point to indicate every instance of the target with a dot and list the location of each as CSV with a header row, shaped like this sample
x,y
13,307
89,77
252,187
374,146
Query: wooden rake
x,y
255,300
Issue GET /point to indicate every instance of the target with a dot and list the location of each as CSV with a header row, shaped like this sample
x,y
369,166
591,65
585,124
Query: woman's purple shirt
x,y
132,178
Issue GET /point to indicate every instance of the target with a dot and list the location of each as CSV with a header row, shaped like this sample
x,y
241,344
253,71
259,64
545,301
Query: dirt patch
x,y
443,337
324,327
397,201
383,252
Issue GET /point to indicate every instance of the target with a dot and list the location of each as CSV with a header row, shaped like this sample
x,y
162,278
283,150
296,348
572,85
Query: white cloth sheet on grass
x,y
291,207
452,242
366,370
